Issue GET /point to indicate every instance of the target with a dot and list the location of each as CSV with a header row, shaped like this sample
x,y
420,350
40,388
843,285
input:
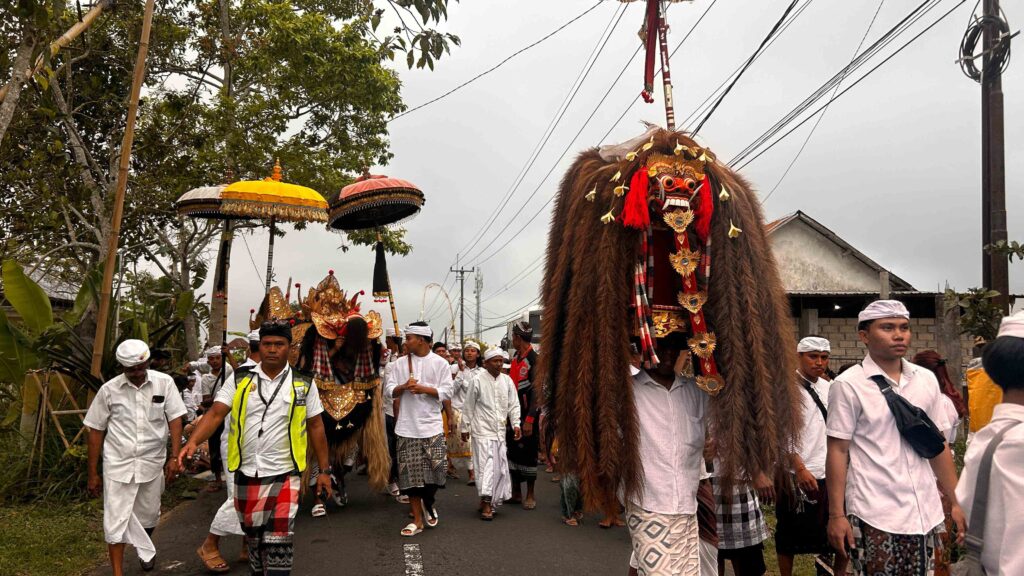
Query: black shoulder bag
x,y
913,423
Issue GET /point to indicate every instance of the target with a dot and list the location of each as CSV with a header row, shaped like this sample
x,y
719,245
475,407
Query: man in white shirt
x,y
491,403
893,513
1003,527
422,382
393,345
465,367
253,357
209,384
130,420
671,413
274,417
802,508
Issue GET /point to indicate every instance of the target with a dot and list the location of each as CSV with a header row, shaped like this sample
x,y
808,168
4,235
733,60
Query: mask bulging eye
x,y
690,184
669,183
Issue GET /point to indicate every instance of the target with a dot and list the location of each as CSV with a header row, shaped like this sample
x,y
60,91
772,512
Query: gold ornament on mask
x,y
711,384
685,261
703,345
678,220
693,302
665,322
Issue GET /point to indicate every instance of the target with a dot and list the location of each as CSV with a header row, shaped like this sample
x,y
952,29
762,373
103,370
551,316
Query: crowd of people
x,y
869,488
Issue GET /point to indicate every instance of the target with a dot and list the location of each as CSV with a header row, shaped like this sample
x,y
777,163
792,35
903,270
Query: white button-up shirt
x,y
135,420
419,415
389,402
1001,554
811,446
491,403
210,381
888,485
269,453
460,386
671,443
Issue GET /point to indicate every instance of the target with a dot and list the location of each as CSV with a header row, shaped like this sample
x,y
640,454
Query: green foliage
x,y
1011,250
27,298
393,238
45,540
979,314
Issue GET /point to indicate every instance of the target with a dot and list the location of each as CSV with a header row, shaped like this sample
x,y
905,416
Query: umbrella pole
x,y
391,295
99,341
666,75
220,289
270,253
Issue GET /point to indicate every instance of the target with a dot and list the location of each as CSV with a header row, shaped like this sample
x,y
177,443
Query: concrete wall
x,y
808,261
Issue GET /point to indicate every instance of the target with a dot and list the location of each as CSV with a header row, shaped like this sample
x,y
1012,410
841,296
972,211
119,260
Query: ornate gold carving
x,y
668,321
678,220
375,324
693,302
703,344
340,399
711,384
685,261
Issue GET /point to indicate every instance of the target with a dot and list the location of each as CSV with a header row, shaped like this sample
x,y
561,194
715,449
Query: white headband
x,y
424,331
254,336
492,353
213,351
471,344
813,344
883,309
1012,325
132,353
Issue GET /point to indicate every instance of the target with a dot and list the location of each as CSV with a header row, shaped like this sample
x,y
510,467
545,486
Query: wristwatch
x,y
329,470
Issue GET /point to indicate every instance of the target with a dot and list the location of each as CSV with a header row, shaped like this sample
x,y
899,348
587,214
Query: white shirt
x,y
811,445
389,402
888,485
270,453
135,421
952,416
1001,553
491,403
420,414
188,397
671,443
461,385
210,381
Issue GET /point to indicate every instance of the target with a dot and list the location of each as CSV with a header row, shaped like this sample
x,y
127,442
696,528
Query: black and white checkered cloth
x,y
740,521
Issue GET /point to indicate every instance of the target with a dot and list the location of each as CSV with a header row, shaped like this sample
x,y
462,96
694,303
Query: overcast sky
x,y
894,168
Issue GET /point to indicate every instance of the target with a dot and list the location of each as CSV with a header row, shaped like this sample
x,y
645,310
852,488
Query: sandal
x,y
487,516
319,511
411,530
213,561
430,517
570,521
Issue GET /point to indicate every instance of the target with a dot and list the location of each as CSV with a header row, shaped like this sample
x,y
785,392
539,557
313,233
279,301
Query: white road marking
x,y
413,560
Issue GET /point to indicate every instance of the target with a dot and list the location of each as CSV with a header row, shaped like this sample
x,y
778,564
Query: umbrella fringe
x,y
280,211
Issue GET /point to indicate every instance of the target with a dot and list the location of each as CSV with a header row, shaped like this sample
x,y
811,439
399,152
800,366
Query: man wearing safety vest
x,y
274,415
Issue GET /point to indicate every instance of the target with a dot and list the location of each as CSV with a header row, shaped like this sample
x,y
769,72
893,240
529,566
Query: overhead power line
x,y
848,88
496,66
825,111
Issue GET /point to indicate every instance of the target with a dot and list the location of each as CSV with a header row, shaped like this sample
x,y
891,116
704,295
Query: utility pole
x,y
460,275
479,290
995,267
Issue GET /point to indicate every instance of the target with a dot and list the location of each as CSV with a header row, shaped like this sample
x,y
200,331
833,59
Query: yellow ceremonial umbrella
x,y
275,200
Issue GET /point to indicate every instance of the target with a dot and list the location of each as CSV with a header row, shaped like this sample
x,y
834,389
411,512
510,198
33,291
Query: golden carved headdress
x,y
330,308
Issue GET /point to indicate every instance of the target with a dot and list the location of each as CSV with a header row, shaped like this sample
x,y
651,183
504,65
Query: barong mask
x,y
657,227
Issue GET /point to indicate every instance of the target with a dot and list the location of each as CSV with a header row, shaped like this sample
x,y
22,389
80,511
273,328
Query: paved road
x,y
363,539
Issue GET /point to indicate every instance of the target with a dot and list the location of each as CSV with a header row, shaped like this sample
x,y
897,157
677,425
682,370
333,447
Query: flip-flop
x,y
213,561
411,530
487,516
402,499
430,517
319,511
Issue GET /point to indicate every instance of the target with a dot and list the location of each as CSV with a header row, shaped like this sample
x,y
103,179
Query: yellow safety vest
x,y
296,425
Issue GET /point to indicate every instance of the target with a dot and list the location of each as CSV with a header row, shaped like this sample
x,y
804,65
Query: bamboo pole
x,y
122,185
65,39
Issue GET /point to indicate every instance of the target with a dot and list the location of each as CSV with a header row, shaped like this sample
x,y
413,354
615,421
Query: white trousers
x,y
128,509
490,462
226,523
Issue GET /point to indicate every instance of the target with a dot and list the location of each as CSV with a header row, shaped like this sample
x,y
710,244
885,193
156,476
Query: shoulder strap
x,y
976,528
817,400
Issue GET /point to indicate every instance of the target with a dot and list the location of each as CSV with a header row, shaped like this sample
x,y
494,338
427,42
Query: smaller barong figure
x,y
491,402
341,354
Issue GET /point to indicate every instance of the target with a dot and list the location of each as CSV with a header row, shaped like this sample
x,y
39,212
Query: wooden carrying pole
x,y
65,39
122,185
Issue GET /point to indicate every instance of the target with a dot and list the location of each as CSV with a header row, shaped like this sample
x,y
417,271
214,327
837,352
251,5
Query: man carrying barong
x,y
130,420
274,415
491,402
422,383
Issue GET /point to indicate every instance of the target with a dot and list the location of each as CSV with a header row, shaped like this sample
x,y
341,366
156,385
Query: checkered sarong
x,y
740,521
266,509
876,551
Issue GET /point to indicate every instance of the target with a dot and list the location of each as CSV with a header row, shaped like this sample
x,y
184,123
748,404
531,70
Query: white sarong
x,y
226,523
128,509
490,462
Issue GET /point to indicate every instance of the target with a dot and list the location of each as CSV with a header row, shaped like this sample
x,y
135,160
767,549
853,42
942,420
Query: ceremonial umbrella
x,y
275,200
374,201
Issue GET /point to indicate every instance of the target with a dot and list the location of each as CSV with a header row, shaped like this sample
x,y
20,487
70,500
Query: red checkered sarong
x,y
266,509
